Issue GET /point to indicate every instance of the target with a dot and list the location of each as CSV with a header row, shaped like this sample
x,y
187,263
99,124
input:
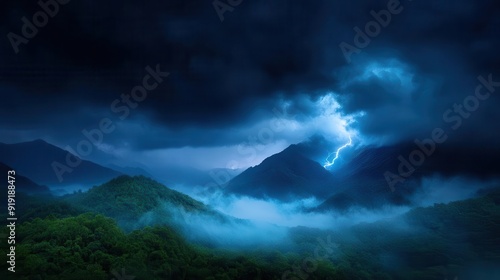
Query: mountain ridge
x,y
35,159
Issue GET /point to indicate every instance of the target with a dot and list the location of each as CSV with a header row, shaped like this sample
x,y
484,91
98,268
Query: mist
x,y
216,229
440,189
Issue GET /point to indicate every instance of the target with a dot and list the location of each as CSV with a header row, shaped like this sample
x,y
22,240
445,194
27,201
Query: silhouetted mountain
x,y
359,182
35,160
362,181
22,183
285,176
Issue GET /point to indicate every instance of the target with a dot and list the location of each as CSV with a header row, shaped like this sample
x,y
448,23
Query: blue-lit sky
x,y
270,75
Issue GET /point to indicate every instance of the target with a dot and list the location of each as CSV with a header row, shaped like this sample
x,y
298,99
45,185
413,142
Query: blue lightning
x,y
330,163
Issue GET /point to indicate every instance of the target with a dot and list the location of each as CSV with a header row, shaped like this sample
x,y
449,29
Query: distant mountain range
x,y
190,177
22,183
290,174
285,176
35,159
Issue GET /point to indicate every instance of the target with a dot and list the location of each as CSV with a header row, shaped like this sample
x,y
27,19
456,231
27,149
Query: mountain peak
x,y
284,176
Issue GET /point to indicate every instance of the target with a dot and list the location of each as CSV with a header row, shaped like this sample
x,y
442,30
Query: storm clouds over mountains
x,y
262,127
227,79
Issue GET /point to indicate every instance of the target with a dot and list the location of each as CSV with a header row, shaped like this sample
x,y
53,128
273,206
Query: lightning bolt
x,y
330,163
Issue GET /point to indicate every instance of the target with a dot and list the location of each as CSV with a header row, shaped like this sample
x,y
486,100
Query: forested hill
x,y
436,242
127,198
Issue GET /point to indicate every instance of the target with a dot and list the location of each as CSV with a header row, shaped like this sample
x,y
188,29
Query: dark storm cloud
x,y
219,71
442,47
263,52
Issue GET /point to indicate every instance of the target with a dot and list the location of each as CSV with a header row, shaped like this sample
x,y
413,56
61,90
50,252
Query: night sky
x,y
271,74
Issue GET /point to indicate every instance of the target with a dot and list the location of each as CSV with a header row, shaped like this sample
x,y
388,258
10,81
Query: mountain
x,y
362,181
26,191
35,160
285,176
22,183
130,199
359,181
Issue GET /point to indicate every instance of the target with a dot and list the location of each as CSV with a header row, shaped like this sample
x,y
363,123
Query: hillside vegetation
x,y
58,240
